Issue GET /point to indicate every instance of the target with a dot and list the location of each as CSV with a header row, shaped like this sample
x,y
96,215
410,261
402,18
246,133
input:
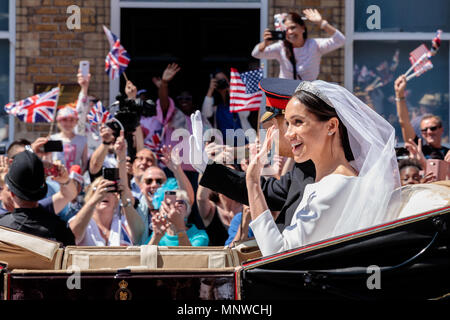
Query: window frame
x,y
351,36
10,35
117,5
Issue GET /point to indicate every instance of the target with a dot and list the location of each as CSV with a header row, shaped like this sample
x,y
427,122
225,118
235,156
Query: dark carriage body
x,y
404,259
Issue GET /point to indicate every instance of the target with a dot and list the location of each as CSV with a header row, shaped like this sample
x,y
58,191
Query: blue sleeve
x,y
47,204
234,227
200,239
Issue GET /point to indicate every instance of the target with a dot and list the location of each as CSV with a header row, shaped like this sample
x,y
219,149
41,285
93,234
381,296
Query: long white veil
x,y
372,140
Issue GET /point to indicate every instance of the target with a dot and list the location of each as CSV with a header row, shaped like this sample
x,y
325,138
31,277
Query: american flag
x,y
117,59
38,108
245,94
98,114
420,53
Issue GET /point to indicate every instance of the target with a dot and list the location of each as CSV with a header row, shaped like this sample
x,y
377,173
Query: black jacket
x,y
39,222
282,195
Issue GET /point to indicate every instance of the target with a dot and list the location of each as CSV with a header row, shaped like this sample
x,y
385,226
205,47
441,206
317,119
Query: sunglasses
x,y
184,98
434,128
180,202
150,181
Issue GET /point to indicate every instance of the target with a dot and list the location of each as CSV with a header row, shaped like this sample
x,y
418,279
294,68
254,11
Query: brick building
x,y
42,51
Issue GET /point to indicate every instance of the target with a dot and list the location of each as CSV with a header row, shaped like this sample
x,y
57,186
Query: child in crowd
x,y
74,145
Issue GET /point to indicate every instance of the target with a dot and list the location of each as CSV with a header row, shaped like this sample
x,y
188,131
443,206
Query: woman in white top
x,y
297,49
101,222
352,148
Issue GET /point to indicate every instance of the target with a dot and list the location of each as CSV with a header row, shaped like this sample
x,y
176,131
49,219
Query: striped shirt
x,y
307,57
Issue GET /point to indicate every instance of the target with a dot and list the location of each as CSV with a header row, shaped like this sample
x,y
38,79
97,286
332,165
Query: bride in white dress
x,y
352,148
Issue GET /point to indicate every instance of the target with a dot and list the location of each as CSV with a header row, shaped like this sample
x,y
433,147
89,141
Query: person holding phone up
x,y
298,55
170,227
108,218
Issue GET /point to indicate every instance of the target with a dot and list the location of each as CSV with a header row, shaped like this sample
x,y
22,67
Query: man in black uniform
x,y
25,181
282,195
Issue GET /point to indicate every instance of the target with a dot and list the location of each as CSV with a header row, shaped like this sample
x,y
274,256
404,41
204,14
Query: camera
x,y
53,146
130,111
222,84
129,115
278,35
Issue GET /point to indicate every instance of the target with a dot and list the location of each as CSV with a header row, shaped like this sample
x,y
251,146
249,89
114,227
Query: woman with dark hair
x,y
216,106
299,56
352,148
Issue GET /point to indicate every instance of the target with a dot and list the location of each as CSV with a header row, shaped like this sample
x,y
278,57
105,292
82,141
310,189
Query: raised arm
x,y
98,157
82,106
163,91
402,111
136,224
66,193
174,165
266,49
80,221
206,207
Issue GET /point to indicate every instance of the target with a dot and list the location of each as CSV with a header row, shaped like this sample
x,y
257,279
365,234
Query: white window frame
x,y
10,35
351,36
117,5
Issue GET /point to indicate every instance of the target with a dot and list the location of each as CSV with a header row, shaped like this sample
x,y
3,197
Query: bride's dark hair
x,y
324,112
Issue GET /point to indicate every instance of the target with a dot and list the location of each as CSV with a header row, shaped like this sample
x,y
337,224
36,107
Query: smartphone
x,y
440,169
115,126
50,169
278,35
172,195
2,149
53,146
111,174
84,68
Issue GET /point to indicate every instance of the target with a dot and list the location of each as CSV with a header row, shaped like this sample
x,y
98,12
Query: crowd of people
x,y
334,172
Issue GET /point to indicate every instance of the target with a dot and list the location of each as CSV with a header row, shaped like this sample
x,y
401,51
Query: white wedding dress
x,y
315,218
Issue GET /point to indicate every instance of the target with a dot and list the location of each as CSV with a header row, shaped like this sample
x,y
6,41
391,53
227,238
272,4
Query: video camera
x,y
130,111
129,115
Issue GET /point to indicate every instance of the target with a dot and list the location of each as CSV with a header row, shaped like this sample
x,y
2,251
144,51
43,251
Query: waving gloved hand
x,y
197,155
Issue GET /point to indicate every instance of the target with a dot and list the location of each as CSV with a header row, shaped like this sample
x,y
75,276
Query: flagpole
x,y
125,76
54,112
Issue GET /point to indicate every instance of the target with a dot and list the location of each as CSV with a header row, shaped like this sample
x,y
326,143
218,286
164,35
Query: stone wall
x,y
332,66
48,52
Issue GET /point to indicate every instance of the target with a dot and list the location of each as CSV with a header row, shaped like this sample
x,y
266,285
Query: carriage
x,y
407,258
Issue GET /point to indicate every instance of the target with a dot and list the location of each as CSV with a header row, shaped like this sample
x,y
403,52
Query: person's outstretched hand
x,y
197,155
170,72
399,86
313,15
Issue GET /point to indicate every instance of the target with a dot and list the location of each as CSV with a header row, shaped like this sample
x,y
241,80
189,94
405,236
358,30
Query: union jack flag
x,y
98,114
125,238
245,94
117,59
38,108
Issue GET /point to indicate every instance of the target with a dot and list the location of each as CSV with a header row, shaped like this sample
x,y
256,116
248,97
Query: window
x,y
377,57
7,34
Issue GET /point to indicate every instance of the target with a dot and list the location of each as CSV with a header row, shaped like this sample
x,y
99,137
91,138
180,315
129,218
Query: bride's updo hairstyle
x,y
314,101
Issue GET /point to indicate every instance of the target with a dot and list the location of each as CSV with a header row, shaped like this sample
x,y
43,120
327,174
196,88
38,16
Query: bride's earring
x,y
330,133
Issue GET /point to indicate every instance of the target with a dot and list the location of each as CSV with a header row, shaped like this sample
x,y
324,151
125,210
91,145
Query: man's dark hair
x,y
18,142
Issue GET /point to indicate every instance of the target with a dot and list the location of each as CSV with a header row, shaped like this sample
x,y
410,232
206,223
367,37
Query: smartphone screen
x,y
171,195
53,146
111,174
84,68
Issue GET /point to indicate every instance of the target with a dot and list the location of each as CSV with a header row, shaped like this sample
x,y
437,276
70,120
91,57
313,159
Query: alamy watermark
x,y
74,20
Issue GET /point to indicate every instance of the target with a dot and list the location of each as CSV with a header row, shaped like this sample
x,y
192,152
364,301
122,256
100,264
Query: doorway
x,y
199,40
